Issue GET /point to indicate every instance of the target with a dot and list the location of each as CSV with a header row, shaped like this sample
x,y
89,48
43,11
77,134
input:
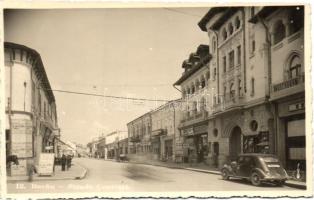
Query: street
x,y
110,176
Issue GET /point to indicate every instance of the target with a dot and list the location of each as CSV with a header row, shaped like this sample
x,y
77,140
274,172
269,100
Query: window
x,y
225,90
295,67
45,114
203,83
232,91
224,34
208,75
252,86
224,63
279,32
239,54
215,73
39,102
237,23
252,12
193,89
230,28
231,59
214,45
239,87
253,45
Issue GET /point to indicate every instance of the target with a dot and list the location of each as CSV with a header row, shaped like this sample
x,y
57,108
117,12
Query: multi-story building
x,y
197,85
31,114
165,136
139,134
283,29
116,144
92,148
238,99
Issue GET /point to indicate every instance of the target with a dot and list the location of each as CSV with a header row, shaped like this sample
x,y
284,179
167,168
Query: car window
x,y
270,159
241,159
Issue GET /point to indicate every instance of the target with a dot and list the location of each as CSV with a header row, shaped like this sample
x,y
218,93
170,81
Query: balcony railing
x,y
202,115
288,84
228,100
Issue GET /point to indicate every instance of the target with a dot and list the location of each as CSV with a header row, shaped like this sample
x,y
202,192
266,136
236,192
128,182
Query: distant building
x,y
31,115
165,136
116,144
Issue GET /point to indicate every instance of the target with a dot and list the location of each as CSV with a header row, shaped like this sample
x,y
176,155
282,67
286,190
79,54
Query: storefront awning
x,y
159,132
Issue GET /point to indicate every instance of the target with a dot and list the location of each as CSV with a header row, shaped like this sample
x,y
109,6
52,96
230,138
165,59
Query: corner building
x,y
30,108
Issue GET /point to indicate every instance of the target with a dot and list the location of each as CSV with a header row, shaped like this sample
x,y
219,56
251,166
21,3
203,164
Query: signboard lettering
x,y
22,141
45,165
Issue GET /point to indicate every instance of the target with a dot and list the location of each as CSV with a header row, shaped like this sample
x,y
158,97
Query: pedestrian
x,y
69,159
63,162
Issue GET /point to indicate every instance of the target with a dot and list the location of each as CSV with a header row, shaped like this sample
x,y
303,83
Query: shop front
x,y
195,147
291,136
156,143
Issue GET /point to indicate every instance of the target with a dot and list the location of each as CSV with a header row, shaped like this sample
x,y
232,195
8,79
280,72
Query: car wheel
x,y
280,183
225,174
256,179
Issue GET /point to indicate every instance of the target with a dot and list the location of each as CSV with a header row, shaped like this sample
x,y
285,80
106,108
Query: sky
x,y
129,52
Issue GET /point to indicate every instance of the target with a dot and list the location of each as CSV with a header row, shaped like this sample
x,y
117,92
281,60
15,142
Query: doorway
x,y
235,143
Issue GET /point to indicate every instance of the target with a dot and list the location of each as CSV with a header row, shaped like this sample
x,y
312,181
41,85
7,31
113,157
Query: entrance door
x,y
235,143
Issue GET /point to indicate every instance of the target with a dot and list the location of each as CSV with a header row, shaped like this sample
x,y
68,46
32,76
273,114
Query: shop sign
x,y
20,169
188,132
45,165
200,129
295,107
22,141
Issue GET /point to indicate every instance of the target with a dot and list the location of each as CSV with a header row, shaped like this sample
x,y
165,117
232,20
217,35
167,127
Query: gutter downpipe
x,y
273,109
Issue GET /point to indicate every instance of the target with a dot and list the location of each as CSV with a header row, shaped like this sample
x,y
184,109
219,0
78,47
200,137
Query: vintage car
x,y
257,168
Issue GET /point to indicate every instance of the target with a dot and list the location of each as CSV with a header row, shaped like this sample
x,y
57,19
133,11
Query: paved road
x,y
105,176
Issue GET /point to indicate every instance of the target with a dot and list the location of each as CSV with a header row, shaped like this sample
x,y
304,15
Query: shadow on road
x,y
248,183
142,173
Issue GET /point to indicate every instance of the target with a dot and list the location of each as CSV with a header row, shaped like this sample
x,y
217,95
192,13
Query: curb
x,y
35,179
288,183
83,174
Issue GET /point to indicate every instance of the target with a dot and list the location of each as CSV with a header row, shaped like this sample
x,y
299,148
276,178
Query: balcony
x,y
288,87
135,138
228,101
194,118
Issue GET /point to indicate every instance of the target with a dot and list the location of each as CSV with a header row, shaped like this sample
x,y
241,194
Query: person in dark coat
x,y
69,159
63,162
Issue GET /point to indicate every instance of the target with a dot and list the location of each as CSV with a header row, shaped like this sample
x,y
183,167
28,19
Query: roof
x,y
212,12
263,13
227,14
38,68
194,69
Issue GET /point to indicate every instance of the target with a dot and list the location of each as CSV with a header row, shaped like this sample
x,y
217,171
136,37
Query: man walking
x,y
63,162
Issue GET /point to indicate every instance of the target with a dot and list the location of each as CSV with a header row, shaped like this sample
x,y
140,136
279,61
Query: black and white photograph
x,y
164,101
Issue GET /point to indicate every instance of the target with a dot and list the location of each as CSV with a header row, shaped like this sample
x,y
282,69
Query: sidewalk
x,y
75,172
206,169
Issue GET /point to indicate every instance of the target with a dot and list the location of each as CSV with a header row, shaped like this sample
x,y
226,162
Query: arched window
x,y
224,34
230,28
237,23
214,44
279,32
232,91
294,67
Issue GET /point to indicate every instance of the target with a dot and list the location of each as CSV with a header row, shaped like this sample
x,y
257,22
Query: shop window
x,y
224,60
295,67
231,59
296,19
279,32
